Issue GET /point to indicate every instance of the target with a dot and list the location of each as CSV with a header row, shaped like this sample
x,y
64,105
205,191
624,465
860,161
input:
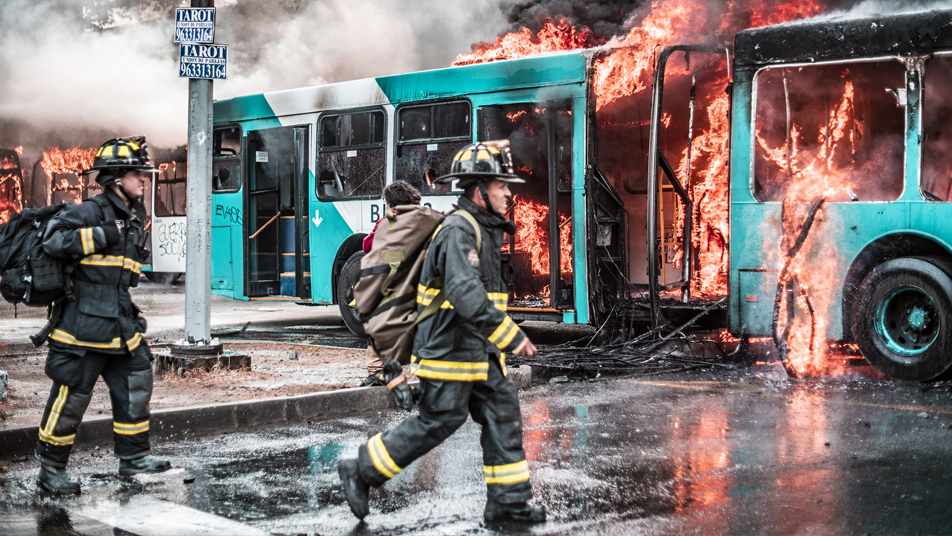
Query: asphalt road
x,y
746,452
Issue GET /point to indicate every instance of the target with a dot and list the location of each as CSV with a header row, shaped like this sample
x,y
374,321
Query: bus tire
x,y
345,294
902,319
162,278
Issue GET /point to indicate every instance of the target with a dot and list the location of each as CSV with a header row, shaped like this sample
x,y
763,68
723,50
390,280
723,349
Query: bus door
x,y
540,137
275,203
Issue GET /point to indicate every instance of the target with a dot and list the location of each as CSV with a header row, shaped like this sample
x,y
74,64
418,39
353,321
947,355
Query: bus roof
x,y
533,72
832,38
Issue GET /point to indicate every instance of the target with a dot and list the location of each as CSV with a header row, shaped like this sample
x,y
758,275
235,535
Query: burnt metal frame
x,y
655,160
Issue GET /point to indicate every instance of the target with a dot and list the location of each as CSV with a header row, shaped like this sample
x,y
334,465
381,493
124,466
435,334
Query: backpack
x,y
28,274
386,288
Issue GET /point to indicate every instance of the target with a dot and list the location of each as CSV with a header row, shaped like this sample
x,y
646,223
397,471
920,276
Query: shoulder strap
x,y
105,207
440,297
472,221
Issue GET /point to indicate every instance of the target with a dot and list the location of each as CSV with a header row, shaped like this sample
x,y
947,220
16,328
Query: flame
x,y
532,236
73,160
627,69
823,175
8,164
19,150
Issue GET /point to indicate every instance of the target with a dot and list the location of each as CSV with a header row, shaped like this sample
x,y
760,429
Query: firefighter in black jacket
x,y
459,352
99,331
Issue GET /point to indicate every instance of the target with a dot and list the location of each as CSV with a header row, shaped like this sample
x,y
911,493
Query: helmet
x,y
482,160
119,155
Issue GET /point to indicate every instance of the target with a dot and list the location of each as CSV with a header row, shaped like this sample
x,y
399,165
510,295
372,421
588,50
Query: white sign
x,y
168,243
203,61
261,156
195,25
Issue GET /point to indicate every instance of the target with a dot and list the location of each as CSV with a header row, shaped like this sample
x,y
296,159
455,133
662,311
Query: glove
x,y
392,374
111,232
142,324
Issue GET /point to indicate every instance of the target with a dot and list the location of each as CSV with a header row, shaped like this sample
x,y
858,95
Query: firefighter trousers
x,y
74,374
443,408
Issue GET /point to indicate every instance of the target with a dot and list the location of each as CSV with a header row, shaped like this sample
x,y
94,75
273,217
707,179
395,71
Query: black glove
x,y
142,324
111,232
392,375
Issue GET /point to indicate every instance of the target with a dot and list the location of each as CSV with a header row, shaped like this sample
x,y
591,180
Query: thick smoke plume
x,y
81,71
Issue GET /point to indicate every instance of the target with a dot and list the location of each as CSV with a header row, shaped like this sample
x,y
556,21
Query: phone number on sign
x,y
198,70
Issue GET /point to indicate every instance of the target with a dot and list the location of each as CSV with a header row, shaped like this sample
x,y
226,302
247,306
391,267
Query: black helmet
x,y
483,160
119,155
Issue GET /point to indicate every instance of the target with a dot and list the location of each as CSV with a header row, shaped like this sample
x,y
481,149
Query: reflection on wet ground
x,y
744,455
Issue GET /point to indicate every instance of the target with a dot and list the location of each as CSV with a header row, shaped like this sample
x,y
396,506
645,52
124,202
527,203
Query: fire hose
x,y
783,287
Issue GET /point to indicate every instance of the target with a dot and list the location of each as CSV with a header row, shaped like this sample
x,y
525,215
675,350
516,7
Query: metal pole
x,y
198,235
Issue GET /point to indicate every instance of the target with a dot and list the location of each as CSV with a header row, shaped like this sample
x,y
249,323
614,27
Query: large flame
x,y
73,160
626,70
812,178
532,235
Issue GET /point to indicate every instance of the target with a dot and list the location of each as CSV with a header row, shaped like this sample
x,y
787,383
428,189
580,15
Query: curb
x,y
176,424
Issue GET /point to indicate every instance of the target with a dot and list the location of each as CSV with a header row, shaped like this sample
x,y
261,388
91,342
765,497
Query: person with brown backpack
x,y
459,348
395,194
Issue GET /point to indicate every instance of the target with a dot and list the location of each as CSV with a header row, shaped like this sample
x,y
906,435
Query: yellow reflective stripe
x,y
510,336
113,261
502,364
134,342
452,371
59,335
86,237
131,265
504,334
381,458
130,429
55,411
500,300
512,473
54,440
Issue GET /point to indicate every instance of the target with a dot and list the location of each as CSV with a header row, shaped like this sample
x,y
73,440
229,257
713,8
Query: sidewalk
x,y
273,373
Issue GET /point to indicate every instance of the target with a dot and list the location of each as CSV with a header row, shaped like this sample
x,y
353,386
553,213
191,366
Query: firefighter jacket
x,y
455,343
100,316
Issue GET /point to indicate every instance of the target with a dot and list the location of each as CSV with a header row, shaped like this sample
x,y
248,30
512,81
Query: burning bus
x,y
789,184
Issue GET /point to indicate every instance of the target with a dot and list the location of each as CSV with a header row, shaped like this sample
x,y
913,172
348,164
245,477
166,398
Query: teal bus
x,y
792,185
298,177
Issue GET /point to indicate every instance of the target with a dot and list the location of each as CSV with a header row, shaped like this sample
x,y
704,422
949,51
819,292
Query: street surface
x,y
745,452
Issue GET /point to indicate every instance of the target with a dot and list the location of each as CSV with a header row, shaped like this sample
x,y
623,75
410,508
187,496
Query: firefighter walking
x,y
99,331
459,352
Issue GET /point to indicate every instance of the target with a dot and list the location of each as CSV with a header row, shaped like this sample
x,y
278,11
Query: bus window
x,y
841,125
170,185
937,130
428,137
226,160
352,155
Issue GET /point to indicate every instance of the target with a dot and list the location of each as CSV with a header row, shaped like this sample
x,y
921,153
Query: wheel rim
x,y
907,319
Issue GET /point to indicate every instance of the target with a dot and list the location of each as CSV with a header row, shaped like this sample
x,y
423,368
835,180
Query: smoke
x,y
81,71
888,7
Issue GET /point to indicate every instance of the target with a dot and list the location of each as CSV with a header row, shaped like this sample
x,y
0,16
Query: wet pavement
x,y
746,452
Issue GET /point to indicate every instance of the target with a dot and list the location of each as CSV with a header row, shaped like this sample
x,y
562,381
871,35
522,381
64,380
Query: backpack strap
x,y
472,221
440,297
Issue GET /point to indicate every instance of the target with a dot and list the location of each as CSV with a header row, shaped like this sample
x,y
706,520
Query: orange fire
x,y
19,150
7,164
532,236
73,160
820,176
627,70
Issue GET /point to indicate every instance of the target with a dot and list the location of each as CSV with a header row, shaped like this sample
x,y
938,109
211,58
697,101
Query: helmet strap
x,y
485,194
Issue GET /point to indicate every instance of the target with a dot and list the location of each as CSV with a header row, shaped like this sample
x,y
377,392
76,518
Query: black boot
x,y
56,480
356,490
145,464
519,512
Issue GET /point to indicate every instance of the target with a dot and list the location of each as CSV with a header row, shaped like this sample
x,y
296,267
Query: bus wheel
x,y
162,278
902,321
345,294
